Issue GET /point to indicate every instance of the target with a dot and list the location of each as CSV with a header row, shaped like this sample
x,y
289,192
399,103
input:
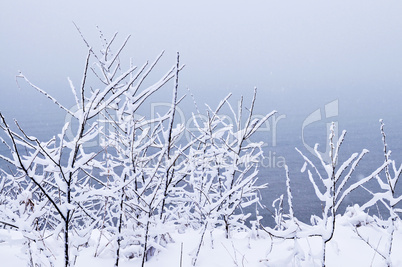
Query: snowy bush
x,y
336,185
222,169
65,187
137,186
387,196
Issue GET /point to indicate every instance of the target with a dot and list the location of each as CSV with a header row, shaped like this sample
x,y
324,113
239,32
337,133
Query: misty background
x,y
301,55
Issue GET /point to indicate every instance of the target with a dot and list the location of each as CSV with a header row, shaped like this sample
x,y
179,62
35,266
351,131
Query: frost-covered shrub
x,y
223,166
337,186
65,186
138,183
222,169
388,196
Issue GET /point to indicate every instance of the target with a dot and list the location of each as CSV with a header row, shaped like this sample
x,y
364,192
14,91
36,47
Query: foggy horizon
x,y
300,56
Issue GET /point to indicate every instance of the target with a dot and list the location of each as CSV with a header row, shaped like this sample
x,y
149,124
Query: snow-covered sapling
x,y
389,197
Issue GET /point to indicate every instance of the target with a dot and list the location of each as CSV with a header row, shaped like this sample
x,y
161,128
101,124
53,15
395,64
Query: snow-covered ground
x,y
242,249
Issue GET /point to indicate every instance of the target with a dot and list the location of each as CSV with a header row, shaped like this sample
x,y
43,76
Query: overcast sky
x,y
317,51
